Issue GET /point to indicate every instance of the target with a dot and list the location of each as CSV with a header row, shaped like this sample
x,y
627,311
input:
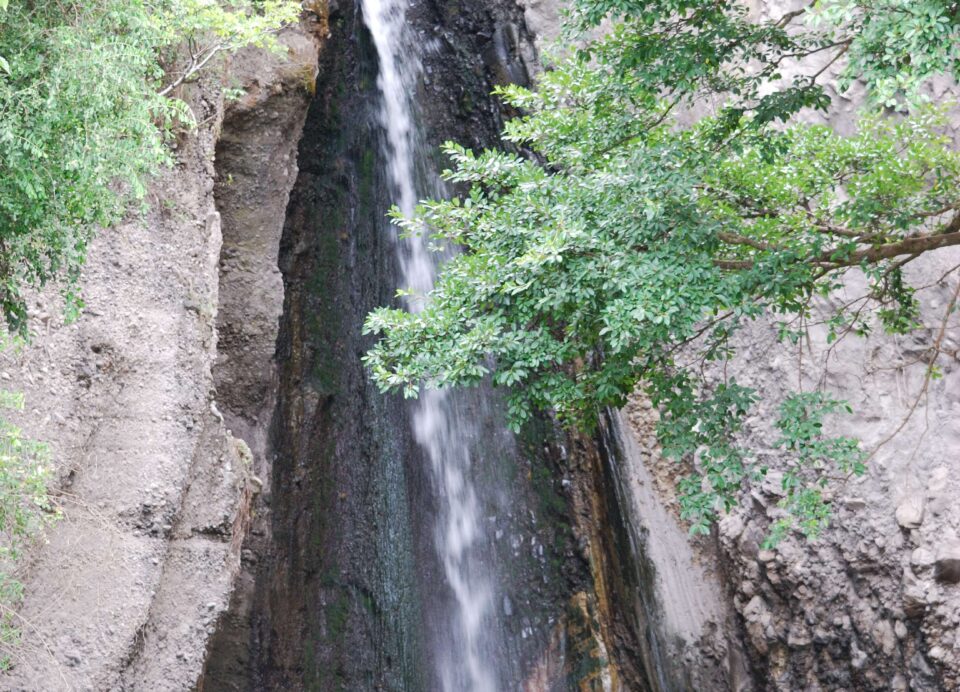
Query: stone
x,y
731,526
922,560
772,483
915,599
755,609
884,636
910,512
854,503
799,637
947,566
858,658
899,683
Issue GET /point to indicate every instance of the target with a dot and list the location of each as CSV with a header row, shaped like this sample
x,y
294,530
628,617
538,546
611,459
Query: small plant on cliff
x,y
84,117
25,508
631,239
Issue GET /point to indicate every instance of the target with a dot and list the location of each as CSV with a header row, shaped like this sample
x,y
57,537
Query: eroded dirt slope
x,y
153,486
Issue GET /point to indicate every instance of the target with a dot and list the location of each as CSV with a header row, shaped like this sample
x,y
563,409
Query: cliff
x,y
153,472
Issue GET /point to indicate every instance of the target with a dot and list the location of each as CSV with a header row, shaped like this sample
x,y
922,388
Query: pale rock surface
x,y
910,512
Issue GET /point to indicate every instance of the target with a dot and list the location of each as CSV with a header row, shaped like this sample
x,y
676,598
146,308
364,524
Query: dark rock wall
x,y
342,580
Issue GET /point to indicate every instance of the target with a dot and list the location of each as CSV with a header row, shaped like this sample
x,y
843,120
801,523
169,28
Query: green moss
x,y
587,662
337,615
366,171
541,478
312,678
324,320
366,600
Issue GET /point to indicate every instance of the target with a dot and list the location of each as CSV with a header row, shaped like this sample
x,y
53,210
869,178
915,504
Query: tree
x,y
624,241
84,118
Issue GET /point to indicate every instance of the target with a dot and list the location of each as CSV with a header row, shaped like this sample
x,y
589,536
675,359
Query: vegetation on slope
x,y
629,241
84,118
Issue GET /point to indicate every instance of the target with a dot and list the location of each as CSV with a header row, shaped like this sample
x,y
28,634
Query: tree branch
x,y
194,67
908,246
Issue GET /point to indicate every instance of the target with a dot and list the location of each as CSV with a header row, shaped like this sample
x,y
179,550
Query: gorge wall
x,y
343,587
872,604
243,510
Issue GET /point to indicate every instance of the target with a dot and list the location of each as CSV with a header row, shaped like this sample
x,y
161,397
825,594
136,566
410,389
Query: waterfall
x,y
465,644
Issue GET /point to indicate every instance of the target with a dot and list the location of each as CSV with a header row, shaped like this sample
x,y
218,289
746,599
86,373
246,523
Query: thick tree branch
x,y
908,246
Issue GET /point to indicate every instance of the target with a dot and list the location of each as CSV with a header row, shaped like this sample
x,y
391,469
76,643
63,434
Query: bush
x,y
25,508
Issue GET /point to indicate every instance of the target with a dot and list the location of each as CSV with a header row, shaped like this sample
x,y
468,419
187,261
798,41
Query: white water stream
x,y
464,644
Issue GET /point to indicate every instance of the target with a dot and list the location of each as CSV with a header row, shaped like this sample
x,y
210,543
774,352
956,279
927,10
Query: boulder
x,y
947,566
910,512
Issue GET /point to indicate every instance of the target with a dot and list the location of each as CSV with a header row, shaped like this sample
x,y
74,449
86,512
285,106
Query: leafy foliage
x,y
25,508
895,45
626,244
83,120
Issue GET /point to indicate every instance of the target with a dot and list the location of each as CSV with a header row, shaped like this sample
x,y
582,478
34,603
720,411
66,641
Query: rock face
x,y
872,603
696,626
158,404
154,488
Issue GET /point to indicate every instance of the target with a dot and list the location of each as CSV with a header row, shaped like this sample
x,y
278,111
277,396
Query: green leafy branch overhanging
x,y
621,242
85,118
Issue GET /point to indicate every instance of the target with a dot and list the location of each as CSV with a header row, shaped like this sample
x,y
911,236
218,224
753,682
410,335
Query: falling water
x,y
465,643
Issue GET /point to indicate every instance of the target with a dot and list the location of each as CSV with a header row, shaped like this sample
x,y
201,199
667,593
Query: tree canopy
x,y
661,188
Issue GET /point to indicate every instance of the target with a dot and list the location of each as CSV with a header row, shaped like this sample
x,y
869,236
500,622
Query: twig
x,y
928,375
